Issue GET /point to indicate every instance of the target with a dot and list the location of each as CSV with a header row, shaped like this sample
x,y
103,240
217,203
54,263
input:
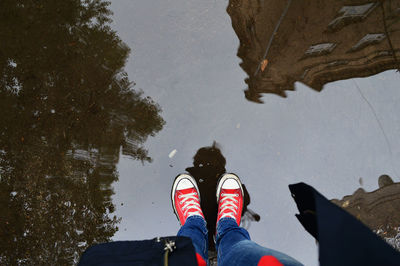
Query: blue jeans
x,y
232,242
195,227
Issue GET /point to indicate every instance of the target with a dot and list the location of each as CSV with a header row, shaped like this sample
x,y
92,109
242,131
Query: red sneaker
x,y
185,198
230,197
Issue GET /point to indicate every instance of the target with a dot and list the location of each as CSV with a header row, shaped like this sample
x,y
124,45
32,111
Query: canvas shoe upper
x,y
185,198
230,197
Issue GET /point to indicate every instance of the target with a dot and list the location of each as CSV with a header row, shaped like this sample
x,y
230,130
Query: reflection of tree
x,y
66,110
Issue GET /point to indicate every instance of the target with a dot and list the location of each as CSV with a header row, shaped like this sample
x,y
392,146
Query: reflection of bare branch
x,y
273,35
379,124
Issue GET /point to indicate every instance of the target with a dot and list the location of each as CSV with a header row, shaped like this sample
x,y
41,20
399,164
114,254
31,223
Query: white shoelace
x,y
191,202
229,204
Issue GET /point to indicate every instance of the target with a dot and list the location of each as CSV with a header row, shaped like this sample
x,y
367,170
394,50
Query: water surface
x,y
94,102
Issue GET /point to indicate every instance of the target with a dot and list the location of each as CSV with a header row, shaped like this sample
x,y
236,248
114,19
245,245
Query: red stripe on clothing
x,y
200,260
269,261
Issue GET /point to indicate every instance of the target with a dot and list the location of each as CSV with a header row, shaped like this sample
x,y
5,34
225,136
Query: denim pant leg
x,y
195,227
235,247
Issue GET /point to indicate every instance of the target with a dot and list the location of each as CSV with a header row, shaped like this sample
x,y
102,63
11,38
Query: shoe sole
x,y
223,178
173,189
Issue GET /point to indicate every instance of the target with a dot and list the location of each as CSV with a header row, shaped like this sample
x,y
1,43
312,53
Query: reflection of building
x,y
314,42
378,209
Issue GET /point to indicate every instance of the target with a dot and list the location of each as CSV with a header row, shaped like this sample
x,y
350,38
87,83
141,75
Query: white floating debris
x,y
14,193
12,64
52,111
172,153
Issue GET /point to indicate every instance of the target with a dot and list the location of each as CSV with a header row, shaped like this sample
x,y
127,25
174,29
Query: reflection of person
x,y
232,242
208,166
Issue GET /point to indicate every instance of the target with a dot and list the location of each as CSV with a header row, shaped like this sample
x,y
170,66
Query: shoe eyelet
x,y
179,196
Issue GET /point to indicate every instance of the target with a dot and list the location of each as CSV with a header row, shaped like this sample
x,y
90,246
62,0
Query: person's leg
x,y
185,198
196,229
236,248
233,242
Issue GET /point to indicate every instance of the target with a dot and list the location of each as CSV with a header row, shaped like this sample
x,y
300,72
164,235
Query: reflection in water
x,y
282,42
66,110
378,209
208,166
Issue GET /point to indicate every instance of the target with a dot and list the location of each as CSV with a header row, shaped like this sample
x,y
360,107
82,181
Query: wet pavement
x,y
100,111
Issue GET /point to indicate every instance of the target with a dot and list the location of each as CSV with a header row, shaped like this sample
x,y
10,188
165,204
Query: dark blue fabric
x,y
343,240
145,252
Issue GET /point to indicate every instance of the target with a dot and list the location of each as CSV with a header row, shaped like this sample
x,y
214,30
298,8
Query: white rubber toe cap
x,y
230,184
184,184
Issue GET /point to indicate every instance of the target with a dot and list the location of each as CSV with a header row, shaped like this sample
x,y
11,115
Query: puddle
x,y
103,105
